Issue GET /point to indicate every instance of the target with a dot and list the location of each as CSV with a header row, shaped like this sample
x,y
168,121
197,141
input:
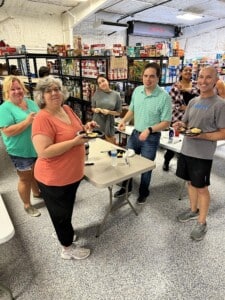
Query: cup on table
x,y
176,132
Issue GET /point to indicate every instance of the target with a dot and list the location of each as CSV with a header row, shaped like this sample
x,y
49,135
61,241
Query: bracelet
x,y
150,130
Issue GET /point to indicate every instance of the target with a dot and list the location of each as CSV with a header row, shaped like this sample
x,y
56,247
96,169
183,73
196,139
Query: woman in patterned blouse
x,y
181,93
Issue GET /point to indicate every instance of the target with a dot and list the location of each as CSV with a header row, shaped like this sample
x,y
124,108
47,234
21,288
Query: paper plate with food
x,y
120,153
193,131
95,133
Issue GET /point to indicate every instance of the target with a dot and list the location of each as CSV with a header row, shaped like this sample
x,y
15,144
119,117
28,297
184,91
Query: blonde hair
x,y
7,85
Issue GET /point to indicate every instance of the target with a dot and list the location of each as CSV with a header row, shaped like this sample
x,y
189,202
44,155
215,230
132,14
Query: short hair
x,y
45,83
155,66
212,68
43,71
13,70
7,84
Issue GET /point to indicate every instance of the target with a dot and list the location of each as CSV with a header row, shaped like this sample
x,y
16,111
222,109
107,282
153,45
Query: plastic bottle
x,y
113,157
171,135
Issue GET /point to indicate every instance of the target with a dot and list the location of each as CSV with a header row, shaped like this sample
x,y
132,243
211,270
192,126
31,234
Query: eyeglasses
x,y
55,90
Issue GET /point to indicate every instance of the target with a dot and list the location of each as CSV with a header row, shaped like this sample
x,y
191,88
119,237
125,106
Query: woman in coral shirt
x,y
60,164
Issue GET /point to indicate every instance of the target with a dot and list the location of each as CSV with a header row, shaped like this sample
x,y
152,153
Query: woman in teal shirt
x,y
16,116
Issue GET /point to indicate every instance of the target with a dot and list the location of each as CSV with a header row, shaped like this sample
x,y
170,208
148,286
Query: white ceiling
x,y
158,11
36,7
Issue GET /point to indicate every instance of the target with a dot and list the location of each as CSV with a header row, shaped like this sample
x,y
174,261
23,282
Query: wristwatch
x,y
150,130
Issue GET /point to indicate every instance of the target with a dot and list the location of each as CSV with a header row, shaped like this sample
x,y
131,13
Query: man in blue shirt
x,y
151,110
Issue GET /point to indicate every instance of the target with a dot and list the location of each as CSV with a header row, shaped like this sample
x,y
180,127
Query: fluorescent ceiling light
x,y
189,16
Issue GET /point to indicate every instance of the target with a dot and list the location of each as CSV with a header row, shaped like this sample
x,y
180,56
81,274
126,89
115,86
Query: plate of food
x,y
120,153
193,131
95,133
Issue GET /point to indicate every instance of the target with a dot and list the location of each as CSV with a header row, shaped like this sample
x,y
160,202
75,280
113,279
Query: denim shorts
x,y
23,163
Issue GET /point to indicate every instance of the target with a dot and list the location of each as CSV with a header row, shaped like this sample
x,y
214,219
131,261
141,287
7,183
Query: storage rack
x,y
80,73
23,64
82,84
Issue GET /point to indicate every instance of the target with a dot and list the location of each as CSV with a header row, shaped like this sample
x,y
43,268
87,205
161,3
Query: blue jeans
x,y
147,149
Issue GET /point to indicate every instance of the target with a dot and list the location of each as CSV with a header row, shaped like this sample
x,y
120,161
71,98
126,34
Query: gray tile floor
x,y
146,257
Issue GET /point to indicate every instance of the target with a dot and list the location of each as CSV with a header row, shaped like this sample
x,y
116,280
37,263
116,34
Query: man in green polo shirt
x,y
151,110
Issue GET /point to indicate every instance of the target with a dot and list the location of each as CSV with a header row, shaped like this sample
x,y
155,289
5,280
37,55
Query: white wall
x,y
116,38
143,40
36,33
205,40
32,32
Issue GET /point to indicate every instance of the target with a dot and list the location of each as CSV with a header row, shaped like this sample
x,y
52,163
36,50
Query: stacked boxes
x,y
92,68
117,68
97,49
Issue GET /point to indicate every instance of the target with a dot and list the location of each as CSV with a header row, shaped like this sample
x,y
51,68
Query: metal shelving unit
x,y
79,74
24,62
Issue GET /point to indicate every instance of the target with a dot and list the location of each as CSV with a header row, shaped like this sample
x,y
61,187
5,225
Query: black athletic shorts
x,y
195,170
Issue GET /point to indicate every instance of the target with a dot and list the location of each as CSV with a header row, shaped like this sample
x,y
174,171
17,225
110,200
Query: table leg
x,y
127,198
107,212
111,208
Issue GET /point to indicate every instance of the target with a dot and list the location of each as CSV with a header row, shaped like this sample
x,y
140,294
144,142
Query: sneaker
x,y
199,231
121,193
75,253
32,211
54,235
165,167
141,200
187,216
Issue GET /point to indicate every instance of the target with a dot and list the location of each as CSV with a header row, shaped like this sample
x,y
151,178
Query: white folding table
x,y
6,233
102,175
175,146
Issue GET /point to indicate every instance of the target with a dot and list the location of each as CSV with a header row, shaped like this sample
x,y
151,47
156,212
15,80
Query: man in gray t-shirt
x,y
206,112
